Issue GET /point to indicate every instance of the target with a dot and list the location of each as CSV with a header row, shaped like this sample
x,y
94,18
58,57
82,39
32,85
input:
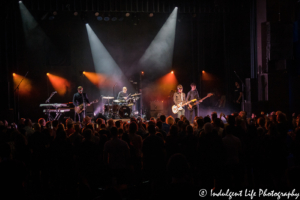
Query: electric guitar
x,y
176,108
197,102
80,108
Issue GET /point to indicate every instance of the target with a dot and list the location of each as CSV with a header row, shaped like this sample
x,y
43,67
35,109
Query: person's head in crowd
x,y
110,123
37,127
87,120
102,126
235,114
133,127
170,120
99,121
87,134
61,126
200,123
28,122
189,130
174,130
281,118
69,121
159,124
114,132
242,114
55,124
177,120
214,115
151,129
152,119
182,117
208,128
77,128
118,124
179,124
49,125
42,122
298,121
163,118
206,119
231,120
151,123
90,126
261,122
133,119
178,167
22,121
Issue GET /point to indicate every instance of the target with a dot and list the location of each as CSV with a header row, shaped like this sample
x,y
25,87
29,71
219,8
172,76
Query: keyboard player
x,y
78,99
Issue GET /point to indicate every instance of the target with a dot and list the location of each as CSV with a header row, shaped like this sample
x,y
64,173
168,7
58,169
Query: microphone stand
x,y
243,105
18,89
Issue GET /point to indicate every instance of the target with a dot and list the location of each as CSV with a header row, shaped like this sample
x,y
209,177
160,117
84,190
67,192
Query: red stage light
x,y
203,71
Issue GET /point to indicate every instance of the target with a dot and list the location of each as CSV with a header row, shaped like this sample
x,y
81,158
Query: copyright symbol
x,y
202,192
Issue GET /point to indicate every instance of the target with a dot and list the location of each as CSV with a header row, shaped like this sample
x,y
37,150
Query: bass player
x,y
179,97
193,94
78,99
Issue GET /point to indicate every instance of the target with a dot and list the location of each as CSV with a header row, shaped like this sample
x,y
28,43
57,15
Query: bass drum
x,y
109,108
124,112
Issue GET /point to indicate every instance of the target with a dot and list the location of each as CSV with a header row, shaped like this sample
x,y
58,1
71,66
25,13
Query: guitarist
x,y
179,97
80,98
193,94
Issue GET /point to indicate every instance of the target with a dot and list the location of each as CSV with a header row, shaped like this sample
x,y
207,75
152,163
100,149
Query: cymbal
x,y
136,94
117,101
107,97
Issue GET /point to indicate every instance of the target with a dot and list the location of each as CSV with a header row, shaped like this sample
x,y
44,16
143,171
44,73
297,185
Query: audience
x,y
164,157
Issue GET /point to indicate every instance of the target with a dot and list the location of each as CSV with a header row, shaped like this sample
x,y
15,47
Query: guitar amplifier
x,y
156,105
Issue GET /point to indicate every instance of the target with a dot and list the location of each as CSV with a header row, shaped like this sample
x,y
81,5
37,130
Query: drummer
x,y
123,94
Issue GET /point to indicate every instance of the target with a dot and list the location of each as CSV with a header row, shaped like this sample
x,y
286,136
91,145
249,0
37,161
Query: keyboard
x,y
60,110
53,105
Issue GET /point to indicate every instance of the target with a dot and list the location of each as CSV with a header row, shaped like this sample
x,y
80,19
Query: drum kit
x,y
120,108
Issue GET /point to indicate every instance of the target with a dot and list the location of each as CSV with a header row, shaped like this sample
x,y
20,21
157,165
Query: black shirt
x,y
193,94
237,92
121,95
77,99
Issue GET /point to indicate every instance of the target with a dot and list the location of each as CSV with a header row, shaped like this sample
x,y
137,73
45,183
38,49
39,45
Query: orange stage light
x,y
60,84
203,71
83,72
25,87
99,80
172,72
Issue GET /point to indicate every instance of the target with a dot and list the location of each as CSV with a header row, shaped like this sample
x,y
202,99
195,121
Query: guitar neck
x,y
187,102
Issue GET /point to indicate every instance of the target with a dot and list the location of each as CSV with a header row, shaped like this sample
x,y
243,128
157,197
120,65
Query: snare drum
x,y
124,112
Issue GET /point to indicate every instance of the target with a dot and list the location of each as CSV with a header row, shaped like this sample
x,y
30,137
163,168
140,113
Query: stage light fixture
x,y
75,13
54,13
99,18
14,74
47,74
83,72
127,14
106,17
172,72
142,72
203,71
20,1
96,14
151,15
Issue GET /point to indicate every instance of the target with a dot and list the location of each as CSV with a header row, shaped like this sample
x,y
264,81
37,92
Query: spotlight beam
x,y
159,54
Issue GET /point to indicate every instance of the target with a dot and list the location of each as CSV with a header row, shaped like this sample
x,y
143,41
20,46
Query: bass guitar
x,y
197,102
80,108
176,108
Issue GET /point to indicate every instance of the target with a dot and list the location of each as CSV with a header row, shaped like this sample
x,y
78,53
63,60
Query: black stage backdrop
x,y
216,40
